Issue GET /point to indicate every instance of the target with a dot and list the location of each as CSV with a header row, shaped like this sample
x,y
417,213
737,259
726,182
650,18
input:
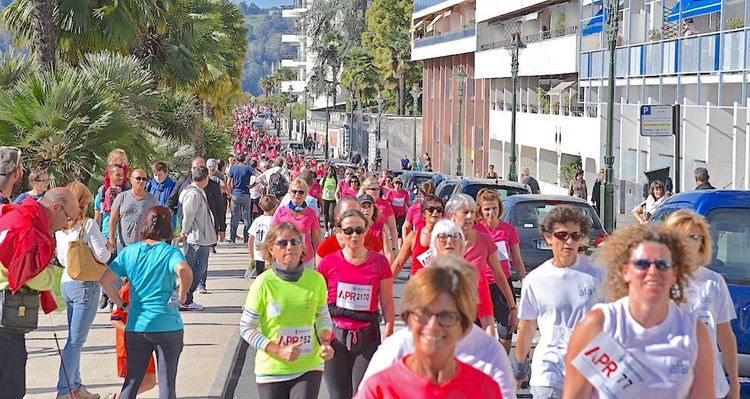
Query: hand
x,y
182,297
519,383
183,237
289,353
326,352
111,244
513,321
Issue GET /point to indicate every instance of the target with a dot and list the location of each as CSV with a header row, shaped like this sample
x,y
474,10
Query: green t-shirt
x,y
329,189
287,314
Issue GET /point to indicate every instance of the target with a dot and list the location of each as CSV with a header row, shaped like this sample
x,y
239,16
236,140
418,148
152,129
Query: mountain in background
x,y
267,3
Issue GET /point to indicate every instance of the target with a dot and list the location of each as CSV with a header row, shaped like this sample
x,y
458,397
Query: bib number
x,y
502,250
293,335
328,193
424,257
398,202
354,296
611,369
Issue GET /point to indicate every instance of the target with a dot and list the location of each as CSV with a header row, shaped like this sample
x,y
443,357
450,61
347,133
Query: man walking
x,y
239,185
597,190
529,181
198,231
128,210
26,248
701,179
11,172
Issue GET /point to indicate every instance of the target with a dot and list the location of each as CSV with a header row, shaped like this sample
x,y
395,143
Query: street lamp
x,y
415,92
291,88
328,93
608,194
460,76
304,126
514,49
379,99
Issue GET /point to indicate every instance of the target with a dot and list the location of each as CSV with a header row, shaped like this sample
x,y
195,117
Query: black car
x,y
413,179
472,186
297,147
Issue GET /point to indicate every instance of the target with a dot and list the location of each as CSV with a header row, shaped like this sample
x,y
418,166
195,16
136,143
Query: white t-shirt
x,y
258,230
708,296
668,350
93,237
255,191
476,349
557,298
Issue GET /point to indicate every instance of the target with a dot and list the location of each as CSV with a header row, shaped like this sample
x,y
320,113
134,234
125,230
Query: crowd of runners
x,y
643,317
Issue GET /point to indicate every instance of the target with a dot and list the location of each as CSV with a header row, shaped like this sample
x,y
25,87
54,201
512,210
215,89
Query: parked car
x,y
471,186
297,147
728,214
413,179
257,124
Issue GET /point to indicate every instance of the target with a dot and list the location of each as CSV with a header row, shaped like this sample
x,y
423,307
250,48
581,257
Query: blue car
x,y
728,214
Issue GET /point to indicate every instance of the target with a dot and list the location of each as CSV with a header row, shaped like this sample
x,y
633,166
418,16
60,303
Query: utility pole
x,y
378,159
460,76
514,49
415,92
327,118
608,194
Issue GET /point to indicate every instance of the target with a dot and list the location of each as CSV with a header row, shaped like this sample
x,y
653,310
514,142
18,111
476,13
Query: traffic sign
x,y
659,120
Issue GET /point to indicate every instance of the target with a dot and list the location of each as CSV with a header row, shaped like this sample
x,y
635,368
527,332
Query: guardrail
x,y
445,37
533,38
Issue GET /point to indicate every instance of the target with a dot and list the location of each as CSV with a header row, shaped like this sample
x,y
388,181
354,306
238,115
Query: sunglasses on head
x,y
297,192
564,235
644,264
284,243
351,230
433,209
140,178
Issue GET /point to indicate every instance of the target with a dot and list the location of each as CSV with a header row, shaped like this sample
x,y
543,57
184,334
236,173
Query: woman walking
x,y
417,243
329,184
303,217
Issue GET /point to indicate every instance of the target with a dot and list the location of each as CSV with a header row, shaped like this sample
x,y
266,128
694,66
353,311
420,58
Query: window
x,y
446,191
730,231
504,192
529,215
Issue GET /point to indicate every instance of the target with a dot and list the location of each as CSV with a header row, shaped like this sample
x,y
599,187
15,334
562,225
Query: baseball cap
x,y
211,163
365,198
10,159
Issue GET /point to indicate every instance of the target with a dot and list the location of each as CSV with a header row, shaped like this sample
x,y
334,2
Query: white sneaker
x,y
195,306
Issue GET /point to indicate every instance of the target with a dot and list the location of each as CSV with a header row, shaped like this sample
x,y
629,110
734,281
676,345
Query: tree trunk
x,y
44,40
199,143
402,95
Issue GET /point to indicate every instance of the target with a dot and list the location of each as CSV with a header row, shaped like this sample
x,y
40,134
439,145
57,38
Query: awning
x,y
530,17
431,25
595,24
559,89
693,8
417,25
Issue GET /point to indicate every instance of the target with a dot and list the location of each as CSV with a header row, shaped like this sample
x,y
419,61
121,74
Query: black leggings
x,y
305,386
328,207
139,346
344,372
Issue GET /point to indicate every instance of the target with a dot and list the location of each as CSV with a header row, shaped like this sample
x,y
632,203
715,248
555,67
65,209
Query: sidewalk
x,y
210,339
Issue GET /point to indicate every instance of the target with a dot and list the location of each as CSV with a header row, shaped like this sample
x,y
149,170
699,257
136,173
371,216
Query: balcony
x,y
544,55
295,11
488,9
292,38
425,7
533,38
450,43
298,86
293,63
708,53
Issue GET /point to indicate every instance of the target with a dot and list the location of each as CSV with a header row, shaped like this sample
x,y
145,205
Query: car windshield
x,y
504,192
730,231
416,181
531,214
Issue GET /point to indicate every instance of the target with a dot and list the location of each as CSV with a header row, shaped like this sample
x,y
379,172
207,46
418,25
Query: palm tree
x,y
267,84
359,76
44,41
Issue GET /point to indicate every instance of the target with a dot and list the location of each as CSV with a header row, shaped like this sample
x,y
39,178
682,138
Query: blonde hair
x,y
116,153
683,221
299,183
447,274
83,196
617,249
272,235
485,196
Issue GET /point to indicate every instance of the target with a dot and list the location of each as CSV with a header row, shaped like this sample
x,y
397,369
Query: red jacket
x,y
26,245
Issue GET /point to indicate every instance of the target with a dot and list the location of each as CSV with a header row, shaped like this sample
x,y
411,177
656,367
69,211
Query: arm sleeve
x,y
250,322
174,197
322,316
97,201
528,309
175,257
117,203
189,210
96,241
315,224
117,266
724,305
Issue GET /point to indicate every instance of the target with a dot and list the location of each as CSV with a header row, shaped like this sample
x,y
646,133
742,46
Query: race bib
x,y
292,335
399,202
425,257
354,296
611,369
502,250
328,193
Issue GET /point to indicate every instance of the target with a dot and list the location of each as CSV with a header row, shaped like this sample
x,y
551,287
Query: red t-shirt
x,y
477,254
414,216
331,245
384,207
377,228
315,191
504,234
399,200
307,224
399,382
354,287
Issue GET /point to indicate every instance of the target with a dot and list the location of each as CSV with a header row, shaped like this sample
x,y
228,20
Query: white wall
x,y
487,9
550,57
454,47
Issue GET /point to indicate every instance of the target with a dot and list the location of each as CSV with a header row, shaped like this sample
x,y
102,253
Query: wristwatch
x,y
124,306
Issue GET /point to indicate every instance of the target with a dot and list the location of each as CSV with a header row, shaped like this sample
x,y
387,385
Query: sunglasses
x,y
139,178
67,215
41,180
351,230
696,237
353,182
297,192
433,209
564,235
284,243
445,236
644,264
445,318
372,189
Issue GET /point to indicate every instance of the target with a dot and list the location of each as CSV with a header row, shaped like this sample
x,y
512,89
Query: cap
x,y
365,198
10,159
211,163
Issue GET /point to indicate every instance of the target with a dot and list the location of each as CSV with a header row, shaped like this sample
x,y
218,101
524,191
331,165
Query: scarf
x,y
290,275
297,208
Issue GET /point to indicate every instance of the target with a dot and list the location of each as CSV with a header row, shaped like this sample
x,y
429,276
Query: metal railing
x,y
445,37
420,5
533,38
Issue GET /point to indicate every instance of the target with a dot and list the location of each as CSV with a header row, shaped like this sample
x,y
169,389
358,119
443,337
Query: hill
x,y
264,47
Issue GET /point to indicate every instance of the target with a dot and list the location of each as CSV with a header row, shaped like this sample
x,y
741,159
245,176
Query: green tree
x,y
359,75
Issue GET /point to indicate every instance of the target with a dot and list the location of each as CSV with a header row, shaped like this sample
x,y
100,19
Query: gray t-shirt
x,y
131,212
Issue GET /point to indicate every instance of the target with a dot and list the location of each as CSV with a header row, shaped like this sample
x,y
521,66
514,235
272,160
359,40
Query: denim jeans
x,y
240,207
82,298
197,258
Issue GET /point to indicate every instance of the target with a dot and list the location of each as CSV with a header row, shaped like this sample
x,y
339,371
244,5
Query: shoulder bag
x,y
82,265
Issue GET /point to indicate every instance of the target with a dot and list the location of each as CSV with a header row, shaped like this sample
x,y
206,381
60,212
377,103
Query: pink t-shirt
x,y
414,216
354,287
377,228
504,234
399,200
399,382
307,224
349,191
343,185
315,191
477,254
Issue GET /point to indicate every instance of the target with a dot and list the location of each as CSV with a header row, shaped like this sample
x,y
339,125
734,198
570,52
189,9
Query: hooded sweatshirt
x,y
197,220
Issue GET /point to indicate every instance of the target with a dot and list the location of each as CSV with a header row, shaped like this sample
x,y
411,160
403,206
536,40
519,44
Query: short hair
x,y
200,173
431,199
241,158
35,173
525,171
84,197
343,202
111,168
117,152
485,196
685,220
445,226
156,224
446,274
460,201
308,176
270,240
159,166
268,203
299,183
617,249
139,170
701,174
563,214
351,213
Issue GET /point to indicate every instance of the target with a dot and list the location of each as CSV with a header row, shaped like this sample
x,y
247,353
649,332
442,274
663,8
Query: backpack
x,y
277,185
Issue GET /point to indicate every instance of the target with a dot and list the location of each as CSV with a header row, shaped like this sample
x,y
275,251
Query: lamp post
x,y
327,118
291,88
378,160
415,92
460,76
514,49
608,194
304,126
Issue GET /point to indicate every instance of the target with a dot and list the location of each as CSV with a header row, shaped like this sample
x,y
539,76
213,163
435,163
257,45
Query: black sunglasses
x,y
351,230
284,243
432,209
297,192
564,235
140,178
644,264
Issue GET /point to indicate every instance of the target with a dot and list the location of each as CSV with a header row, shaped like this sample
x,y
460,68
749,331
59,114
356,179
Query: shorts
x,y
400,225
501,311
545,392
122,366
